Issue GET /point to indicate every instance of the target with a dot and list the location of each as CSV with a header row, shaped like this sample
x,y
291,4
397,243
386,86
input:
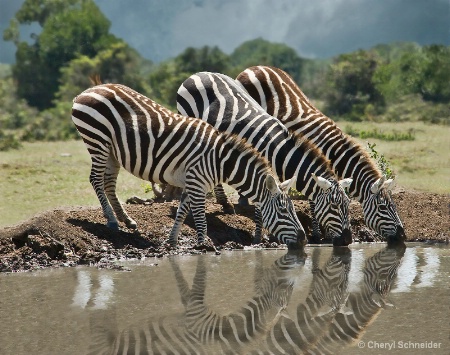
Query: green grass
x,y
40,176
421,164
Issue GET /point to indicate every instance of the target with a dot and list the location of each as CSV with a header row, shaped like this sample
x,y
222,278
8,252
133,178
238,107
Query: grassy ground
x,y
423,163
43,176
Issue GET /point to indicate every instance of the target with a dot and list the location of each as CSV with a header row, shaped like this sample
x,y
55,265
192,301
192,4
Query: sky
x,y
160,29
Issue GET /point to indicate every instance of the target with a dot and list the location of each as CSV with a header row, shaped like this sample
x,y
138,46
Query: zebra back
x,y
219,100
281,97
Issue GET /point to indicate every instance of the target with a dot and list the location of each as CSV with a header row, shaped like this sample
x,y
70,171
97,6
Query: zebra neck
x,y
245,172
348,159
301,163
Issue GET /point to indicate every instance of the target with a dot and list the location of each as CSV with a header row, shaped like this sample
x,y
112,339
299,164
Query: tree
x,y
193,60
350,90
425,71
69,29
169,75
262,52
118,64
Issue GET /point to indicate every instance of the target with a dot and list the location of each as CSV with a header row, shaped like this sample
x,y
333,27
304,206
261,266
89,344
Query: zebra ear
x,y
345,182
271,184
377,185
389,184
324,184
286,185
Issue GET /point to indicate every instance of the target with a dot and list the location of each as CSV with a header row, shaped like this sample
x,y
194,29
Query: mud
x,y
70,237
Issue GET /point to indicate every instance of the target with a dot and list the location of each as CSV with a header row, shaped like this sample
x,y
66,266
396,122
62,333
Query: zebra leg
x,y
110,181
197,203
243,201
316,235
222,199
96,179
258,227
182,212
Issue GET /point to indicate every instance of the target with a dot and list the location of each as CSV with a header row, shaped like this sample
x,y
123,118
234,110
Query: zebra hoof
x,y
243,202
228,209
113,225
131,224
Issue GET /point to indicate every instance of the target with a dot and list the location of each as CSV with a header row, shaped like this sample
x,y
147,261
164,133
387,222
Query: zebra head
x,y
380,212
331,209
278,213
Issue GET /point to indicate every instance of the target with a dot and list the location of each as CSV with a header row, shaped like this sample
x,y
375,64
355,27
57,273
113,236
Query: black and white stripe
x,y
220,101
201,330
380,272
280,96
327,297
121,127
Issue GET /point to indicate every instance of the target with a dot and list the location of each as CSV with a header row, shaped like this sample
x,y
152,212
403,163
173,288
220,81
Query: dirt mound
x,y
79,236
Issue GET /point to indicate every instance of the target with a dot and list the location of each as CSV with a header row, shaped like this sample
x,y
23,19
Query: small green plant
x,y
296,195
8,141
147,187
381,160
395,135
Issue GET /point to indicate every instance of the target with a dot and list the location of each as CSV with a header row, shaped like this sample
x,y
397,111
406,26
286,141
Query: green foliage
x,y
194,60
424,71
414,108
117,64
350,86
376,133
69,29
147,188
262,52
381,161
169,75
165,81
8,141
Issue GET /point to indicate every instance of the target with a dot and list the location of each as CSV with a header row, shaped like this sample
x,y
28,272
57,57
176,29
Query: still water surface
x,y
391,300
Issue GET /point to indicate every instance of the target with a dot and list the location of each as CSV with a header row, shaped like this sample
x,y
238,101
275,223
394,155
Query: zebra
x,y
220,101
280,96
121,127
200,330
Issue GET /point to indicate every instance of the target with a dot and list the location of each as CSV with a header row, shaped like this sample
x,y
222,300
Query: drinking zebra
x,y
121,127
220,101
280,96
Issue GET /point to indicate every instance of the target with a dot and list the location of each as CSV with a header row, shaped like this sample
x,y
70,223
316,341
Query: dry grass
x,y
421,164
41,176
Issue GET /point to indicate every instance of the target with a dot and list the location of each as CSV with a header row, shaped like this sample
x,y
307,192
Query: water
x,y
397,297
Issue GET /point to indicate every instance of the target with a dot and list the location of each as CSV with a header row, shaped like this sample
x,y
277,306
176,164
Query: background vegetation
x,y
393,95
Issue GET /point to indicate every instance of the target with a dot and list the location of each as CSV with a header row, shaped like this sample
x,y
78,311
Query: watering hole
x,y
321,299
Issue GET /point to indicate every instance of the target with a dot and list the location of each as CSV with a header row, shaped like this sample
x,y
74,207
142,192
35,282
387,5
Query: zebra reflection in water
x,y
334,315
201,330
347,314
328,293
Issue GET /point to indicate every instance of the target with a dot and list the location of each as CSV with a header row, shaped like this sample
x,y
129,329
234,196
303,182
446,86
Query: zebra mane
x,y
241,145
304,143
95,79
350,142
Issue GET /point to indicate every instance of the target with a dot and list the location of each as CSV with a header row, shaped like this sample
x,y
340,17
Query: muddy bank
x,y
59,238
